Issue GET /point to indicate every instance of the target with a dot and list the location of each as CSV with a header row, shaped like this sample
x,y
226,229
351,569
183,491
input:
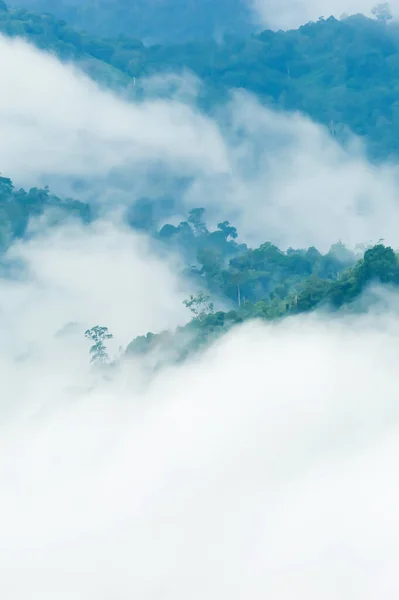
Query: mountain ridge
x,y
156,21
341,73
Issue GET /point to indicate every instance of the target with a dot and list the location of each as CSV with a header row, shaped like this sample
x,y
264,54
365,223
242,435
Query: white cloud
x,y
98,275
279,177
292,183
265,469
54,120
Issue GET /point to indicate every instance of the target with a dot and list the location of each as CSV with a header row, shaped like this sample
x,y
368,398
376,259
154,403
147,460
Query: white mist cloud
x,y
278,177
54,120
266,468
292,183
98,275
290,14
183,87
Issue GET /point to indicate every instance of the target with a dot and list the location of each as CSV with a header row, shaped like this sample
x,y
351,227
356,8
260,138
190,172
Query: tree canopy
x,y
340,72
155,21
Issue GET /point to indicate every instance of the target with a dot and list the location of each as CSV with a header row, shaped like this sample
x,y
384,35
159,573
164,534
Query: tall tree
x,y
199,305
98,351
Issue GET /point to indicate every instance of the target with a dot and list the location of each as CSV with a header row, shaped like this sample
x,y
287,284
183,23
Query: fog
x,y
264,468
292,183
290,14
304,188
57,121
91,273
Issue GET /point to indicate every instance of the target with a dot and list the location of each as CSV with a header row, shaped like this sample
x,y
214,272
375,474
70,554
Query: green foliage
x,y
210,249
342,73
200,305
195,219
294,295
98,351
239,274
18,208
169,20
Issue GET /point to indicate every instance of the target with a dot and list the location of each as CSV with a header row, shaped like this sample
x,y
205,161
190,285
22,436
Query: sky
x,y
265,467
290,14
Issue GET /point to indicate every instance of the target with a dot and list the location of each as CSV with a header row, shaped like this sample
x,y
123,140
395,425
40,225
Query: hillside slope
x,y
342,73
152,20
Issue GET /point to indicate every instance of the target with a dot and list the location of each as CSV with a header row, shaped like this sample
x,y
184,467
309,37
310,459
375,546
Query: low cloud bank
x,y
266,467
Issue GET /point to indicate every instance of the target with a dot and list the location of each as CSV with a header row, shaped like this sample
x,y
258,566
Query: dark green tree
x,y
98,351
199,305
228,230
195,218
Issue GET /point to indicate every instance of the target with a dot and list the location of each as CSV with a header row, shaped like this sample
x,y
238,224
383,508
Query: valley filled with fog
x,y
199,305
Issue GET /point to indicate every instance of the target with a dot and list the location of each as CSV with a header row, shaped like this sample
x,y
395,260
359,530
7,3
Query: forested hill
x,y
18,207
153,20
292,296
247,283
342,73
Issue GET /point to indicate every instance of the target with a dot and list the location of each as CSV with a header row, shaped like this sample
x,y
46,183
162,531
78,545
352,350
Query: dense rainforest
x,y
342,73
152,20
19,207
231,282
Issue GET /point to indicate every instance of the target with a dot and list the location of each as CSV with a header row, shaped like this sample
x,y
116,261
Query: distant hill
x,y
155,21
342,73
